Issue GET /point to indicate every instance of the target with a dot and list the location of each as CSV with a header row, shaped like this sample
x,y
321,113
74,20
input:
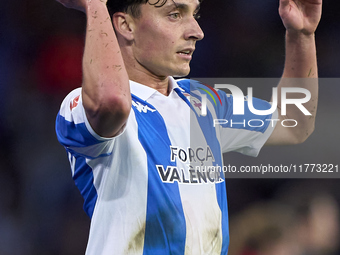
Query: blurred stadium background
x,y
40,62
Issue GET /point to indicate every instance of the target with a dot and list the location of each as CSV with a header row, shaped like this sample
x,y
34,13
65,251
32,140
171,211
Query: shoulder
x,y
184,84
190,85
71,102
198,89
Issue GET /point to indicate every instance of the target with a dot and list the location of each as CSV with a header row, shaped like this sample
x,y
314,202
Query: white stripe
x,y
204,220
72,160
120,212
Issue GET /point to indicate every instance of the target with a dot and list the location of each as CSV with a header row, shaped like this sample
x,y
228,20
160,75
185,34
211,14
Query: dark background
x,y
40,62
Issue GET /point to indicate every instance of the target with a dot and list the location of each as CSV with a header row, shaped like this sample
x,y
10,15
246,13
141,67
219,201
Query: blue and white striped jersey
x,y
146,190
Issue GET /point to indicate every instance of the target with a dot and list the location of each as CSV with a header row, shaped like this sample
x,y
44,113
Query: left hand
x,y
300,16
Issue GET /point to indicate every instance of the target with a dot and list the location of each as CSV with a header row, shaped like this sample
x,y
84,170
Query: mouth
x,y
186,53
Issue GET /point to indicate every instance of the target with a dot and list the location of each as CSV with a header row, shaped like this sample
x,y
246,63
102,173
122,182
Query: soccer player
x,y
135,141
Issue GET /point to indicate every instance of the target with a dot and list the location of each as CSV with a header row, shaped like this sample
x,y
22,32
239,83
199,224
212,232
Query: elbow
x,y
107,109
108,117
117,103
114,106
304,135
105,97
122,106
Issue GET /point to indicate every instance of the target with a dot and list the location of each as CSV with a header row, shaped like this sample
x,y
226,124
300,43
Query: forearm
x,y
106,93
300,59
300,71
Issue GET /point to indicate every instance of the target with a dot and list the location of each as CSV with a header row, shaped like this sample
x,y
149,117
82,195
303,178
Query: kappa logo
x,y
142,108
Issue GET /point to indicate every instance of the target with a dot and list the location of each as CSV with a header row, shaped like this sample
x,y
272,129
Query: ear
x,y
124,25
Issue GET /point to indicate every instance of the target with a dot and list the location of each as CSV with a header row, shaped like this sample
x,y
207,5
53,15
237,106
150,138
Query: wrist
x,y
93,6
299,37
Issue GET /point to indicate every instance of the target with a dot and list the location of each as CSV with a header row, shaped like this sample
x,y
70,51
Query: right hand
x,y
79,5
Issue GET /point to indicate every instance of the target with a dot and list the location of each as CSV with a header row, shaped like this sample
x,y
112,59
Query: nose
x,y
194,31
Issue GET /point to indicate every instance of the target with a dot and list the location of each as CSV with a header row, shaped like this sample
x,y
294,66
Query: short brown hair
x,y
132,6
129,6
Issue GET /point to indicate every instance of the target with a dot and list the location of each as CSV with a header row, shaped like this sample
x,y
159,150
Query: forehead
x,y
170,4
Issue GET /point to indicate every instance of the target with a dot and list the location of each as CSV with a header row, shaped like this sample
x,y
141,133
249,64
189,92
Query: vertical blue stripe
x,y
83,178
209,133
165,230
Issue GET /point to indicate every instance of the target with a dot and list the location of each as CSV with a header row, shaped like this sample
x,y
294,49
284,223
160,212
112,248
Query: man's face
x,y
165,37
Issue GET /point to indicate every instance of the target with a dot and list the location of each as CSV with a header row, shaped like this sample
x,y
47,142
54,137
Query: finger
x,y
284,3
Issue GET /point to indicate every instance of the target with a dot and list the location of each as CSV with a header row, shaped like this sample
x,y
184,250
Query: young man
x,y
134,140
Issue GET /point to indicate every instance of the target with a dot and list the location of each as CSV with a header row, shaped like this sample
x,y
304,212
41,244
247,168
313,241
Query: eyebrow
x,y
182,6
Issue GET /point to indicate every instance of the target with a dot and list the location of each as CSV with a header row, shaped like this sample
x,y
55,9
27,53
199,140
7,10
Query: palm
x,y
74,4
78,4
301,15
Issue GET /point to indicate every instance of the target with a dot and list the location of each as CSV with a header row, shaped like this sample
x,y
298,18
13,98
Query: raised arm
x,y
300,18
105,89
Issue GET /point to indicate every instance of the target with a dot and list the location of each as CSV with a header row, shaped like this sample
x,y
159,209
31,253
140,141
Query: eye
x,y
197,16
175,15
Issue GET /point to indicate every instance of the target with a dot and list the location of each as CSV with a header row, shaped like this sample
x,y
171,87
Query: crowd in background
x,y
41,46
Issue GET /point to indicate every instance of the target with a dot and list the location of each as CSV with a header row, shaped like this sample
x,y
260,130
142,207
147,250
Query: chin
x,y
179,76
182,73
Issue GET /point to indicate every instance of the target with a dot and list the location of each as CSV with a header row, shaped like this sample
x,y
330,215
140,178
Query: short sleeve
x,y
246,133
74,131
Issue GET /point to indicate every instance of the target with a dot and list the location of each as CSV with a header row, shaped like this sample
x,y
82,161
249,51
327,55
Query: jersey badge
x,y
197,105
74,103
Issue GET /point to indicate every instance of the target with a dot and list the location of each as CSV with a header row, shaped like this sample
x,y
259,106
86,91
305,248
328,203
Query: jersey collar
x,y
144,92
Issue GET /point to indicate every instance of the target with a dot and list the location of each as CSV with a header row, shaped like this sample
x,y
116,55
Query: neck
x,y
140,74
161,84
